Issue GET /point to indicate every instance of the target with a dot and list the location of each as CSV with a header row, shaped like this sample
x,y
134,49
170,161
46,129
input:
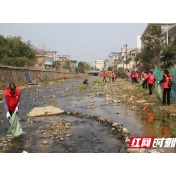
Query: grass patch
x,y
100,94
83,87
41,80
103,84
96,81
145,94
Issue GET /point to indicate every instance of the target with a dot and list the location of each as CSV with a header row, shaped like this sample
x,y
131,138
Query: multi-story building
x,y
169,34
99,64
45,59
163,27
106,64
63,57
126,58
112,56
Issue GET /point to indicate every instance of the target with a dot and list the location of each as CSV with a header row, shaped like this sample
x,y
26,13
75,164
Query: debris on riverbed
x,y
42,111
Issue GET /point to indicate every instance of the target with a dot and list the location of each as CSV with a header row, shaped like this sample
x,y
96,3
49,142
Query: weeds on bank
x,y
83,87
95,81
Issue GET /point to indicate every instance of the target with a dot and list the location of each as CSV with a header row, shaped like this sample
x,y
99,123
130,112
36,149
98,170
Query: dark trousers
x,y
145,84
135,80
112,78
104,79
132,80
150,88
166,91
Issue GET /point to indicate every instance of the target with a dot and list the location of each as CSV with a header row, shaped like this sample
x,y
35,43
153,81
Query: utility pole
x,y
167,33
126,55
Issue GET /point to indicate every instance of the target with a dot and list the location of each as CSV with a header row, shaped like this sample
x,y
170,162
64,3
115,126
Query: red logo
x,y
141,142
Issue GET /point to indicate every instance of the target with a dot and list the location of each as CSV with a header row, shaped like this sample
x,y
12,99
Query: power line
x,y
49,38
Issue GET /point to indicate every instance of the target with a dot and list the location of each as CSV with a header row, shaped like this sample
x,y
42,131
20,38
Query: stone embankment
x,y
18,76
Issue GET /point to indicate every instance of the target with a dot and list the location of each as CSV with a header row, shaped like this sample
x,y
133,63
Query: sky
x,y
83,41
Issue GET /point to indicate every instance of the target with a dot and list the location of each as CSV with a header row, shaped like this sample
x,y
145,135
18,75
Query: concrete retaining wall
x,y
17,75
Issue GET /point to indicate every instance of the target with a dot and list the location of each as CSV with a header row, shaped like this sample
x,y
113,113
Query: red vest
x,y
136,76
145,76
12,101
129,74
104,74
165,84
132,76
151,78
110,74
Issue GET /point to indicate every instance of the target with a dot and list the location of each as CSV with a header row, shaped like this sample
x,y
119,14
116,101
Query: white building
x,y
63,57
129,53
112,56
99,64
163,27
170,33
106,64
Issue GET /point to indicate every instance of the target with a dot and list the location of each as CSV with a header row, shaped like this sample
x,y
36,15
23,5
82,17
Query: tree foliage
x,y
56,64
15,52
152,52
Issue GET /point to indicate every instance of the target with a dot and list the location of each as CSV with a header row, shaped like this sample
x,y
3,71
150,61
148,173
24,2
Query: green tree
x,y
80,66
153,45
15,52
168,54
56,64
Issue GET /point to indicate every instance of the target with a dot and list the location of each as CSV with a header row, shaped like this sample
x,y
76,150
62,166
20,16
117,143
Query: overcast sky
x,y
84,42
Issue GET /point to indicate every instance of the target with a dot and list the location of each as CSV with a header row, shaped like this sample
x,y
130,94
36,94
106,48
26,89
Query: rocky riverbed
x,y
100,117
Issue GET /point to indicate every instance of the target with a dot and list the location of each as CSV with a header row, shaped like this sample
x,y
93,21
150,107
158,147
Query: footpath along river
x,y
87,135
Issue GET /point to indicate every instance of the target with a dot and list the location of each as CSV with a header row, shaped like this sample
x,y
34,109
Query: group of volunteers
x,y
149,80
112,76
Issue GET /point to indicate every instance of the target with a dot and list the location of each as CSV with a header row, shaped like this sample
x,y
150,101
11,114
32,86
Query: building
x,y
99,64
63,57
45,59
112,56
163,27
169,34
73,65
67,62
130,54
53,54
106,64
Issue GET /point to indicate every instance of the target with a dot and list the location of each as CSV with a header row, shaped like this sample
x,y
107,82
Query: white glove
x,y
8,115
16,109
158,82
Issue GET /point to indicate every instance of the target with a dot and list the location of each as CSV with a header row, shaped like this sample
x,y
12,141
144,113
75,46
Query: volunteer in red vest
x,y
64,77
104,76
110,75
129,77
136,76
12,100
144,76
85,81
167,89
151,80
